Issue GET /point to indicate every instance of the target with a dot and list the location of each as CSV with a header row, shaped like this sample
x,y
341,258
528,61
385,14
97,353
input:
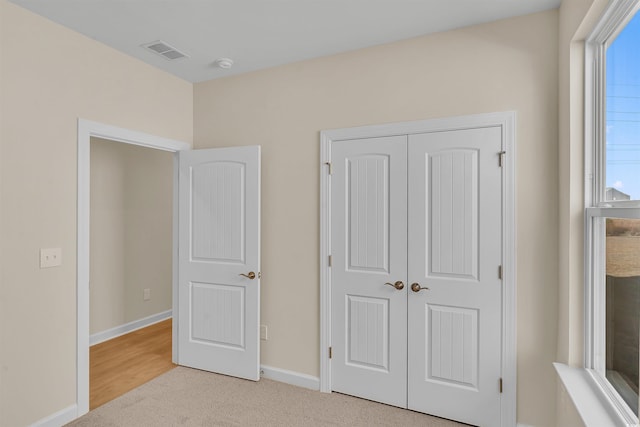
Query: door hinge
x,y
501,157
500,385
330,352
500,272
330,260
329,165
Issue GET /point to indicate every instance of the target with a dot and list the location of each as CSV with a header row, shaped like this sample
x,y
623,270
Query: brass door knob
x,y
251,275
415,287
398,285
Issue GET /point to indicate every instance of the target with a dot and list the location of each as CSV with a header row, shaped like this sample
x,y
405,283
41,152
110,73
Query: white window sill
x,y
593,405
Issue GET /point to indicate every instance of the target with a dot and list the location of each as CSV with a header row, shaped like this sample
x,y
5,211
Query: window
x,y
612,267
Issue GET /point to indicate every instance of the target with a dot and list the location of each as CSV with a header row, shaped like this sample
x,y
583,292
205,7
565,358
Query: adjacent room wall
x,y
131,233
148,231
505,65
51,76
107,231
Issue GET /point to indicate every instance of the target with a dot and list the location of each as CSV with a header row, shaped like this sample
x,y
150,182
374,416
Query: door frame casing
x,y
86,130
506,121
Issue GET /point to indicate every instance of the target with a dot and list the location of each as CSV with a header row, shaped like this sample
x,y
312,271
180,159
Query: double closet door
x,y
416,247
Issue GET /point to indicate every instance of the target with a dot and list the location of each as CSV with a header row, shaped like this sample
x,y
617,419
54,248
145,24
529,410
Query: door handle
x,y
251,275
415,287
398,285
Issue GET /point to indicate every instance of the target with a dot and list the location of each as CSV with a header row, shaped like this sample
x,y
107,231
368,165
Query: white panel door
x,y
369,255
455,250
219,260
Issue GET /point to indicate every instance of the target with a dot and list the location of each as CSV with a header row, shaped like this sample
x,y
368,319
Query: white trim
x,y
590,399
59,418
117,134
506,120
86,130
325,270
82,284
176,215
613,20
290,377
112,333
421,126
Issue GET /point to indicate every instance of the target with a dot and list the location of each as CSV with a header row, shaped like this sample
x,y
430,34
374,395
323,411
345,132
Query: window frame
x,y
597,209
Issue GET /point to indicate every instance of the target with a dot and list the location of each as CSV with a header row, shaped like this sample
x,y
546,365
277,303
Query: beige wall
x,y
506,65
131,233
50,76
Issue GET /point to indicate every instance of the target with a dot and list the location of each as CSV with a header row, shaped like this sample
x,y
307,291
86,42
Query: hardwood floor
x,y
126,362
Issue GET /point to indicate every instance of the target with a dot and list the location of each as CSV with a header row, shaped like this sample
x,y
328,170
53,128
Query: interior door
x,y
369,262
455,250
219,260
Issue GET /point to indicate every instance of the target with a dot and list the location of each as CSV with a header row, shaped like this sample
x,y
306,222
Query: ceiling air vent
x,y
164,49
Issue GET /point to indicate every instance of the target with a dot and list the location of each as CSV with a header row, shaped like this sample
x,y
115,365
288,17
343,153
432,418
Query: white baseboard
x,y
290,377
58,419
103,336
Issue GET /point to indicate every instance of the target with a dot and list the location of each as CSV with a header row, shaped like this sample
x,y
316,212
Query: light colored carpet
x,y
188,397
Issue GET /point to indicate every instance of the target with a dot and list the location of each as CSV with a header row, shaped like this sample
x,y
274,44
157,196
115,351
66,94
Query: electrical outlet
x,y
146,294
50,257
263,332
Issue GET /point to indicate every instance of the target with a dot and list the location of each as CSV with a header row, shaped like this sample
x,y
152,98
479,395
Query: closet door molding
x,y
506,122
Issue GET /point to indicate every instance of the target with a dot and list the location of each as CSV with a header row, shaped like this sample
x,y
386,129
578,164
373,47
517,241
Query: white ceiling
x,y
259,34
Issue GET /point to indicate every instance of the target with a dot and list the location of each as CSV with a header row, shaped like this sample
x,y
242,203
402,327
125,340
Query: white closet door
x,y
369,255
219,246
455,241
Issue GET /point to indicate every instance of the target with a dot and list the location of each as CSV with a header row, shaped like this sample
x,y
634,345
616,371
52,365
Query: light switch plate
x,y
263,332
50,257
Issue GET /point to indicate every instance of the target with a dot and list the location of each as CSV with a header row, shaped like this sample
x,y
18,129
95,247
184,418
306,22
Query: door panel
x,y
369,249
367,212
368,332
219,239
455,242
452,345
217,312
453,222
218,230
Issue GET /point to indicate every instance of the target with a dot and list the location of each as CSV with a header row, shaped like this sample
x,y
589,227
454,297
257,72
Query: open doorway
x,y
131,215
86,131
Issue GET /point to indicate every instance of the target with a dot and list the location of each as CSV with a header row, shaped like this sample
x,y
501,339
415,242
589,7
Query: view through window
x,y
622,240
623,115
623,307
